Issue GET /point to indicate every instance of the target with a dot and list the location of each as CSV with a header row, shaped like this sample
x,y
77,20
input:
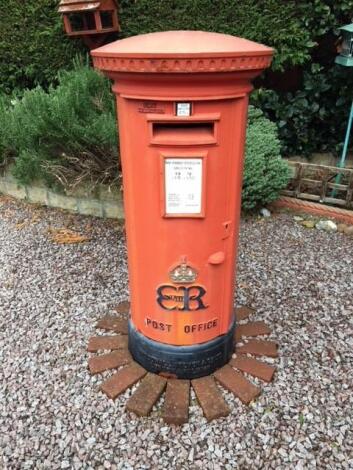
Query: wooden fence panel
x,y
320,183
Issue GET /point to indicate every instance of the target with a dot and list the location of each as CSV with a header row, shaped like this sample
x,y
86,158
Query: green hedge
x,y
272,22
33,45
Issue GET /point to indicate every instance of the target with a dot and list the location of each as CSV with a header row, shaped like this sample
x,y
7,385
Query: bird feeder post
x,y
345,58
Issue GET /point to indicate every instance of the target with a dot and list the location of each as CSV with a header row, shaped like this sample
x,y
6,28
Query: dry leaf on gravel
x,y
7,214
242,285
36,218
21,225
4,199
65,236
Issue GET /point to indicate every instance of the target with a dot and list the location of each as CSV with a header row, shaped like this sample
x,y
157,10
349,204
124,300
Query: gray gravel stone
x,y
52,413
327,225
265,212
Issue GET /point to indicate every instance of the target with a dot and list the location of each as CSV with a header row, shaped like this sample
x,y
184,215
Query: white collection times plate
x,y
183,186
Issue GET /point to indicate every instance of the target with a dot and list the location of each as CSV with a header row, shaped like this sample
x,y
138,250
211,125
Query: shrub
x,y
265,173
66,135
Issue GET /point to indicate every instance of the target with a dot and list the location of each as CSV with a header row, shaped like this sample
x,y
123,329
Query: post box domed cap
x,y
182,52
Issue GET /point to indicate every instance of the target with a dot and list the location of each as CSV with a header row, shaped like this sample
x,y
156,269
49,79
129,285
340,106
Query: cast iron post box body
x,y
182,100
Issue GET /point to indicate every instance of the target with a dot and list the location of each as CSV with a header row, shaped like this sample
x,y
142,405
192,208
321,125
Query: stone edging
x,y
315,208
110,205
105,203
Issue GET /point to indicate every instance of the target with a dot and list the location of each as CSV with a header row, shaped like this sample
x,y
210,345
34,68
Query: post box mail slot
x,y
195,130
183,133
182,101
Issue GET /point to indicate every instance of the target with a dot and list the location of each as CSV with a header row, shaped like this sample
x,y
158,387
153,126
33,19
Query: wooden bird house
x,y
90,19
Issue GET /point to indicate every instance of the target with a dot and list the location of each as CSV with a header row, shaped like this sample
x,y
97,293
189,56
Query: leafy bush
x,y
314,117
265,173
65,135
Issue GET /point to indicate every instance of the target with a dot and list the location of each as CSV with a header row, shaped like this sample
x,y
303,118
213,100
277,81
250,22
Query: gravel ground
x,y
52,415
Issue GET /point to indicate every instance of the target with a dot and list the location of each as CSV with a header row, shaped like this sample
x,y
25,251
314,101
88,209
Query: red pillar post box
x,y
182,99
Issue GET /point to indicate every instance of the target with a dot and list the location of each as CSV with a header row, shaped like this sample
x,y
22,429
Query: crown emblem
x,y
183,274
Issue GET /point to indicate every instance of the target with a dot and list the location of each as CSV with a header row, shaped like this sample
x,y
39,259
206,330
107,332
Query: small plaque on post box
x,y
183,186
183,109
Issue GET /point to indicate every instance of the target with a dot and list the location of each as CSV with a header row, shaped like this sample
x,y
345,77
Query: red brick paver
x,y
236,383
259,348
106,342
123,307
114,324
253,367
176,402
242,313
210,398
255,328
111,360
147,394
123,379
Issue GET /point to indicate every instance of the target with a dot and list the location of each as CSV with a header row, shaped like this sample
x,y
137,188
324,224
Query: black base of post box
x,y
182,362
